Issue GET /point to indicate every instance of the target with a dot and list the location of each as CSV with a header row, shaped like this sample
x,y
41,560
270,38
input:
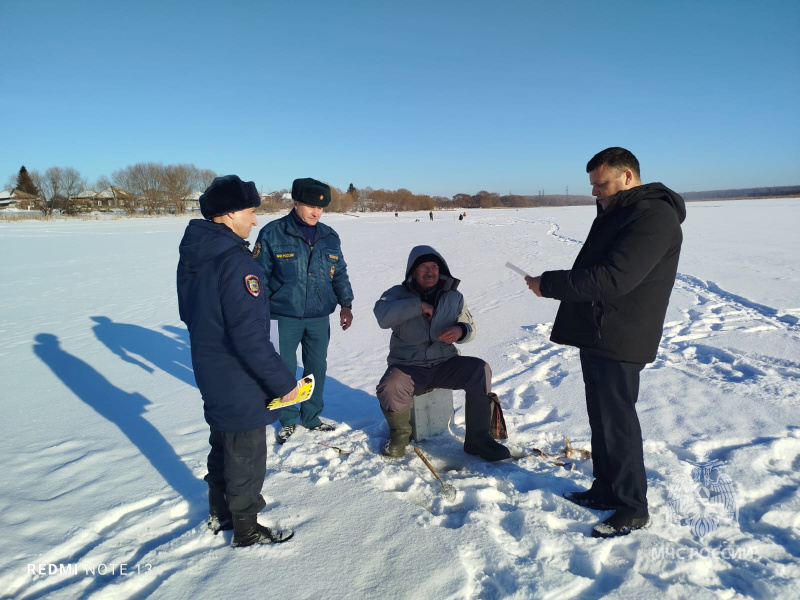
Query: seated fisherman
x,y
427,316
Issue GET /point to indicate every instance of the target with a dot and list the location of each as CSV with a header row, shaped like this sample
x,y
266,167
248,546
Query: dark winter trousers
x,y
313,336
237,465
612,388
401,383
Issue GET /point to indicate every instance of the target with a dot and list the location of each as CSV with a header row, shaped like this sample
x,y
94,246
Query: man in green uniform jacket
x,y
307,278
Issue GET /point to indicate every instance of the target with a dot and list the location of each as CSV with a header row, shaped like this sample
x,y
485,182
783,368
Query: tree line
x,y
757,192
154,188
146,187
368,199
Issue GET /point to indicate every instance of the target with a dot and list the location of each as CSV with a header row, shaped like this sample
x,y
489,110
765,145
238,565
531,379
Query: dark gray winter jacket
x,y
414,339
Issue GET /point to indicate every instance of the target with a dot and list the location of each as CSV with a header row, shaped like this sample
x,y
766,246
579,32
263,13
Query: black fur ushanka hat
x,y
310,191
228,194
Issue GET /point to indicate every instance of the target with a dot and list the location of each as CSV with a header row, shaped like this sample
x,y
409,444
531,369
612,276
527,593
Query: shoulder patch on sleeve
x,y
252,285
257,250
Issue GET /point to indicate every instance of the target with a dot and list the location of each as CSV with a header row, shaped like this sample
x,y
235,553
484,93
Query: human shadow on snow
x,y
170,354
125,411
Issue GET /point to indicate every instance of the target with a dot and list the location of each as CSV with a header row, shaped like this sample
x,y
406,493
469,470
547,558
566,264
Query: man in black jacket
x,y
222,300
613,304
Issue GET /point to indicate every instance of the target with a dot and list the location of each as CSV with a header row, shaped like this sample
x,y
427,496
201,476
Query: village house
x,y
191,202
111,197
17,199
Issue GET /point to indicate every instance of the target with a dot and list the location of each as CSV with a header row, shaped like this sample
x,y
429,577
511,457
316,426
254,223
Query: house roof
x,y
16,195
113,192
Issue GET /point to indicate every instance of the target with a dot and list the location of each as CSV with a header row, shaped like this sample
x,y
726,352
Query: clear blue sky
x,y
439,97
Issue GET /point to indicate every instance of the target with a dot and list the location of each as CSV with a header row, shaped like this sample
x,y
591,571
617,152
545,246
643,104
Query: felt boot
x,y
477,412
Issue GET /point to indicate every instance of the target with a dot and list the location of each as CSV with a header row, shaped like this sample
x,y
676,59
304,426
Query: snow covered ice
x,y
104,443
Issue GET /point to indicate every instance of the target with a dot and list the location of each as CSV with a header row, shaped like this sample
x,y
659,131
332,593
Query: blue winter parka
x,y
222,300
304,280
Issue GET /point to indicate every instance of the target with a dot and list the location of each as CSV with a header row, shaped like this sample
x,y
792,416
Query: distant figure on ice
x,y
222,301
430,214
395,214
307,277
460,217
427,316
613,303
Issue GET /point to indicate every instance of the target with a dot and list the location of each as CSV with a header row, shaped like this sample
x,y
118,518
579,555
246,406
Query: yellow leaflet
x,y
306,385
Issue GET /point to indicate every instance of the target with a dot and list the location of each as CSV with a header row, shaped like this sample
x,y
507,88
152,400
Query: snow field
x,y
104,443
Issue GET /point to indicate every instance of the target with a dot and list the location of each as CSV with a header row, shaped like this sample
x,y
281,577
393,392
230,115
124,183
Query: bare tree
x,y
179,181
125,179
102,183
146,182
486,199
71,184
204,179
364,199
348,201
58,187
38,180
340,202
464,201
49,189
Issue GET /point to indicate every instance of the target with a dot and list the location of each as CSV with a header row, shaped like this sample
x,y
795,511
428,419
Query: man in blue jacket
x,y
222,301
613,304
307,278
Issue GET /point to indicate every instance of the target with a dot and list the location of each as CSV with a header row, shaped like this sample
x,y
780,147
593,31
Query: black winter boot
x,y
219,517
399,433
477,412
248,531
